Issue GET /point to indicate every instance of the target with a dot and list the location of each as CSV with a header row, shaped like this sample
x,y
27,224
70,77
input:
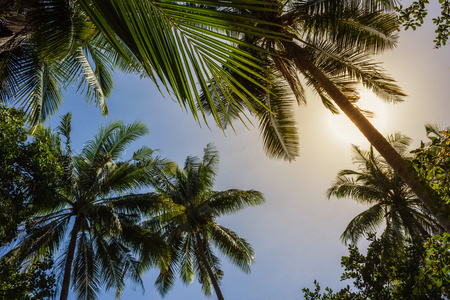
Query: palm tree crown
x,y
375,183
339,38
190,228
89,221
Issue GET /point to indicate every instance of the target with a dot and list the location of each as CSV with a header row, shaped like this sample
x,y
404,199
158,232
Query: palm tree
x,y
190,227
331,44
376,184
90,221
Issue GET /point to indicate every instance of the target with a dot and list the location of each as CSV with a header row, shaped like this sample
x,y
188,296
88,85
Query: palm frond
x,y
278,124
166,278
41,241
236,249
105,218
109,260
53,35
175,44
40,91
354,64
207,170
149,246
129,264
11,63
400,142
95,82
86,269
347,187
366,27
187,261
232,200
147,203
366,222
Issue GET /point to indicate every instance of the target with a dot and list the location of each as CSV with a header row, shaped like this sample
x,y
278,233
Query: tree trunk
x,y
13,33
70,254
379,142
207,266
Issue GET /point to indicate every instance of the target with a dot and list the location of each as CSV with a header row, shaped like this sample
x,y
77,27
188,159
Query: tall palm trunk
x,y
378,141
201,248
13,33
69,259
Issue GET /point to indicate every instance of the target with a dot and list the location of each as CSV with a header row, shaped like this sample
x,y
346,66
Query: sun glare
x,y
344,130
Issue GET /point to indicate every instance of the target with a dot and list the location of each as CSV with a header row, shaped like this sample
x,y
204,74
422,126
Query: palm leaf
x,y
366,26
278,124
236,249
86,269
364,223
40,91
53,35
355,64
175,43
232,200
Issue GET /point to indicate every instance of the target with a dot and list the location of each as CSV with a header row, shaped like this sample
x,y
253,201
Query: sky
x,y
295,234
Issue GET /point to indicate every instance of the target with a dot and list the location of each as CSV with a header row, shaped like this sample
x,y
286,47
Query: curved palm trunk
x,y
16,24
378,141
207,266
70,254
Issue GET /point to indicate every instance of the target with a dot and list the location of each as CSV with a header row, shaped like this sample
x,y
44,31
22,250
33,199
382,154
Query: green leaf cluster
x,y
391,272
36,283
29,171
432,161
413,16
339,38
437,267
83,211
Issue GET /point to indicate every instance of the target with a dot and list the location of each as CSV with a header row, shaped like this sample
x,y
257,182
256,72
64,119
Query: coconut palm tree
x,y
329,46
191,229
391,201
90,222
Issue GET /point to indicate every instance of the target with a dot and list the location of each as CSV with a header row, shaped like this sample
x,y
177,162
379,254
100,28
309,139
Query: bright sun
x,y
347,132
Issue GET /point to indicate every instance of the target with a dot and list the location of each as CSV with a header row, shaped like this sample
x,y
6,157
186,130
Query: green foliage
x,y
391,272
414,15
343,294
29,171
436,272
176,44
432,161
36,283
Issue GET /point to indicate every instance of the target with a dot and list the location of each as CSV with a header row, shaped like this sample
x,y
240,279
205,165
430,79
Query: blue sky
x,y
296,233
